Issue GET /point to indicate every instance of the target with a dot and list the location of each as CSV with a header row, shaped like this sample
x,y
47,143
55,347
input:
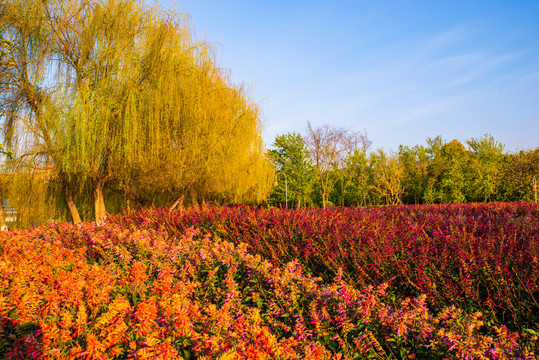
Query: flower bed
x,y
482,257
140,286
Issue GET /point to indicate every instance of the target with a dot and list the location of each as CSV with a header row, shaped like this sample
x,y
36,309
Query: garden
x,y
237,282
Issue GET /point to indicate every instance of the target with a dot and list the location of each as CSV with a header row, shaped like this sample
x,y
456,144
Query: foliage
x,y
416,179
112,92
32,208
388,172
487,167
517,174
358,177
328,147
438,172
138,287
448,173
290,158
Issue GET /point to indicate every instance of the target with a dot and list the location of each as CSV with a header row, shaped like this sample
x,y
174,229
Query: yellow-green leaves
x,y
120,96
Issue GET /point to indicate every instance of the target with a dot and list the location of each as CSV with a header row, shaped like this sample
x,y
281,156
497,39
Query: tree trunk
x,y
71,204
178,202
194,202
3,224
99,202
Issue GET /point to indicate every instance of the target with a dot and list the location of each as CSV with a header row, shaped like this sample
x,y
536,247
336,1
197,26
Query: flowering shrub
x,y
481,257
124,291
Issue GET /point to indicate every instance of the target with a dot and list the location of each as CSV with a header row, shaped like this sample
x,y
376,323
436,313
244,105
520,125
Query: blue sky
x,y
401,70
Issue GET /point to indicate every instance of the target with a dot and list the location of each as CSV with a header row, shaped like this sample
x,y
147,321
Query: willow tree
x,y
184,128
26,110
221,148
214,148
133,102
106,54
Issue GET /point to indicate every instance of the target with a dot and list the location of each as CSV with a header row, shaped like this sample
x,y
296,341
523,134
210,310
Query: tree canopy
x,y
348,174
291,159
120,98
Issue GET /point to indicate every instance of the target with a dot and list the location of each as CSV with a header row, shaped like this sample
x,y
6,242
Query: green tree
x,y
290,157
487,160
448,172
517,175
358,177
416,178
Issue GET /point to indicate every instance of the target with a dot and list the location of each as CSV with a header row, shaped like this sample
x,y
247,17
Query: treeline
x,y
330,166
